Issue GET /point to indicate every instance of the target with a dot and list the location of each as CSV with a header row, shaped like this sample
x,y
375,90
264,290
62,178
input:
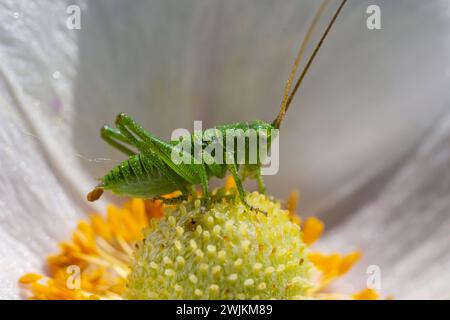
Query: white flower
x,y
370,127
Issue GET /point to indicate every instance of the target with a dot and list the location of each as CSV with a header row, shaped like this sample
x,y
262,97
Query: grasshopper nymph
x,y
152,173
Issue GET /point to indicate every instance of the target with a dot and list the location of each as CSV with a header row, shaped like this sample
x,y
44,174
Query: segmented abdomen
x,y
139,176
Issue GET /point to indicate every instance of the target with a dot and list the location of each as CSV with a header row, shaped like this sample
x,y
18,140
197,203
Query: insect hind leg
x,y
133,132
116,139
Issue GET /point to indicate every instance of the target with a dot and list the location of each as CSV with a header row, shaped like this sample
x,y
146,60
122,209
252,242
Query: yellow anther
x,y
180,261
179,230
249,282
169,272
270,270
245,245
257,266
243,230
203,267
198,292
238,263
216,230
221,255
153,265
178,288
281,268
199,253
211,249
172,220
214,288
216,270
297,280
233,277
282,252
167,261
229,225
193,278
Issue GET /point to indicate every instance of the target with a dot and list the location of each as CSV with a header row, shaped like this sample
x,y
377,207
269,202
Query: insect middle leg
x,y
253,171
233,169
259,179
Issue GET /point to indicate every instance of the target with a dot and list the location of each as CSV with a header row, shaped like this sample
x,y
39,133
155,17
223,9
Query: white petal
x,y
40,193
405,229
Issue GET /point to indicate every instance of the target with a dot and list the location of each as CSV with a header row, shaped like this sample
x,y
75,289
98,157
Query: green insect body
x,y
139,177
151,172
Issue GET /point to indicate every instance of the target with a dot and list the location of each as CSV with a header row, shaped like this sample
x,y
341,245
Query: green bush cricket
x,y
152,173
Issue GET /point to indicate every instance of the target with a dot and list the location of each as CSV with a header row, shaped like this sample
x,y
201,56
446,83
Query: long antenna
x,y
300,53
287,101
